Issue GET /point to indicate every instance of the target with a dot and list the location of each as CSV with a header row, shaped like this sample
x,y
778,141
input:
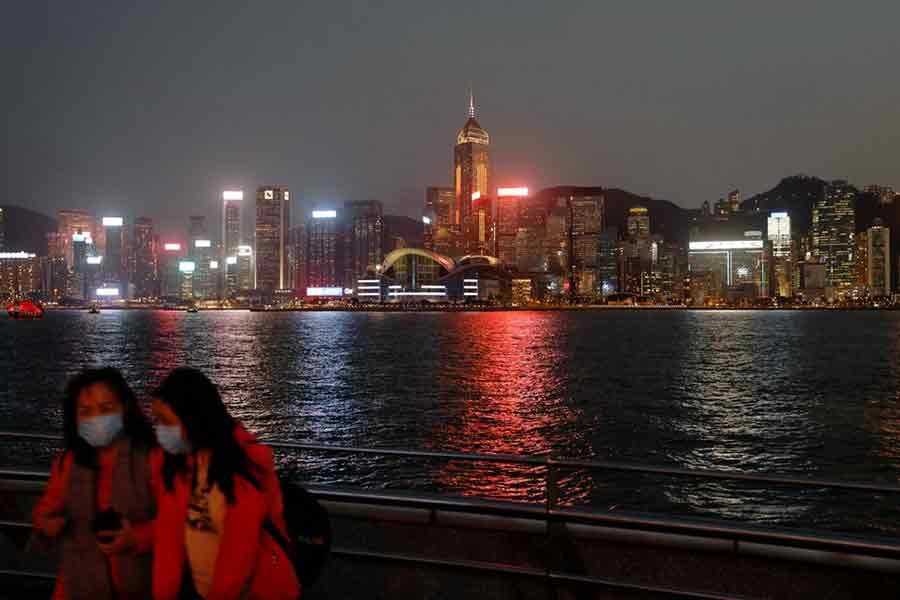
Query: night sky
x,y
152,108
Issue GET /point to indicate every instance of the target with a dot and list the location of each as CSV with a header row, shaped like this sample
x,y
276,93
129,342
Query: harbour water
x,y
808,394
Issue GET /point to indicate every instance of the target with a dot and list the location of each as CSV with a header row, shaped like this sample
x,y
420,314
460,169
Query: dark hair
x,y
197,402
136,426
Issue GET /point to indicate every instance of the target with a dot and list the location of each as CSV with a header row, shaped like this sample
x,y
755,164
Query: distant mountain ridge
x,y
26,230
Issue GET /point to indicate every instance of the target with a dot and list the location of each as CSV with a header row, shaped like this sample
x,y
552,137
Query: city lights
x,y
231,260
172,247
324,291
202,243
187,266
94,260
106,292
426,220
113,221
16,255
512,191
233,195
727,245
476,196
324,214
213,264
245,250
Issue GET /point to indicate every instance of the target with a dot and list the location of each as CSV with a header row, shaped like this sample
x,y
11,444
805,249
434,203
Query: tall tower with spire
x,y
471,175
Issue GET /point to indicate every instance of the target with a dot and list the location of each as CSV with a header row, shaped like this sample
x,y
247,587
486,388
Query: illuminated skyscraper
x,y
273,220
879,259
483,239
638,221
297,256
587,223
363,238
779,234
323,234
114,254
145,259
231,237
833,229
471,173
440,208
510,208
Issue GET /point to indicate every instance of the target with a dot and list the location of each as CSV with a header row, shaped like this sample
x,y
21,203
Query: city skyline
x,y
680,117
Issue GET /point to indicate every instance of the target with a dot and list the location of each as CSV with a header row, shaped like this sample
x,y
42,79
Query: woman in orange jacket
x,y
217,487
97,504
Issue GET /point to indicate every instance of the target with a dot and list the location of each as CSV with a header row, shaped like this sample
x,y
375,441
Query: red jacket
x,y
245,554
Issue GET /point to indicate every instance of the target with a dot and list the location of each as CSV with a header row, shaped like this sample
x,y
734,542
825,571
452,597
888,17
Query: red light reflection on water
x,y
511,402
167,351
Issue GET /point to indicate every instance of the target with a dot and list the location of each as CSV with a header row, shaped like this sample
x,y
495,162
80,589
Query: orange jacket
x,y
246,553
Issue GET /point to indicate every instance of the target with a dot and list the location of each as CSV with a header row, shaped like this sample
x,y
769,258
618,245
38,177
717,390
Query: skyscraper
x,y
510,208
323,233
145,259
471,173
833,228
273,220
2,230
363,238
440,209
779,234
587,223
114,254
297,256
231,237
638,221
879,259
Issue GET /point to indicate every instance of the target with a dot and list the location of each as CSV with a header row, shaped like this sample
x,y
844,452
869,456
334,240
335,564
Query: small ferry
x,y
26,309
94,310
193,309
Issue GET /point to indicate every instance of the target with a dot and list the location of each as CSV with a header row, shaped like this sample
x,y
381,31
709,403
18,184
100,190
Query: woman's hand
x,y
50,525
122,539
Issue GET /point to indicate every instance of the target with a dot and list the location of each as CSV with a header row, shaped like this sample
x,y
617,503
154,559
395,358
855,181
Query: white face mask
x,y
101,430
171,440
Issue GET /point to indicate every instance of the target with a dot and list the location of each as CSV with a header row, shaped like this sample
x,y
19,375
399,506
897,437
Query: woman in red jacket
x,y
97,504
217,487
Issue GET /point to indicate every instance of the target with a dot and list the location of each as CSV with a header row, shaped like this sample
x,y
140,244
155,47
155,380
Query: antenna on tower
x,y
471,102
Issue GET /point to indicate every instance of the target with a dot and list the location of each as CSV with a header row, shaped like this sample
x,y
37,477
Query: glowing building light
x,y
233,195
324,214
213,264
476,196
245,250
231,260
81,237
727,245
172,247
417,293
94,260
324,291
202,243
470,281
187,266
368,281
512,191
433,287
16,255
369,294
426,220
368,287
107,291
113,221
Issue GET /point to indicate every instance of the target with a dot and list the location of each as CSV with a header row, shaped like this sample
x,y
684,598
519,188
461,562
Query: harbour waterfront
x,y
808,394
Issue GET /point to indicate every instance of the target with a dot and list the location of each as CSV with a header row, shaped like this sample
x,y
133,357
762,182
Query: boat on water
x,y
26,309
193,309
94,310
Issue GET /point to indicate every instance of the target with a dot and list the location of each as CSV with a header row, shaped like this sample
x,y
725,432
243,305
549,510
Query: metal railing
x,y
550,512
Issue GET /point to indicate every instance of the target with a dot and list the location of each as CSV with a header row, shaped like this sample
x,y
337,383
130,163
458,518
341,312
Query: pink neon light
x,y
512,191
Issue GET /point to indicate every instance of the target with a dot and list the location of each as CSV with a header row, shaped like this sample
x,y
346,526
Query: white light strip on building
x,y
470,293
368,281
417,294
368,287
395,287
433,287
113,221
324,214
94,260
233,195
16,255
727,245
470,281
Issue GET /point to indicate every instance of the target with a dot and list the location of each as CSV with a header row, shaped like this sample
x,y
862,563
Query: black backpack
x,y
309,532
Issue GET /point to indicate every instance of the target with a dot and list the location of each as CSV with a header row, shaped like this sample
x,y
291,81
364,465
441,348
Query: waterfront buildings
x,y
833,230
232,202
363,239
471,175
144,258
878,275
439,220
323,233
510,210
778,233
113,261
71,222
20,275
271,236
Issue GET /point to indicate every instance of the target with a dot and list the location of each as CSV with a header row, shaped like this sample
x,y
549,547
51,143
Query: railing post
x,y
551,491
